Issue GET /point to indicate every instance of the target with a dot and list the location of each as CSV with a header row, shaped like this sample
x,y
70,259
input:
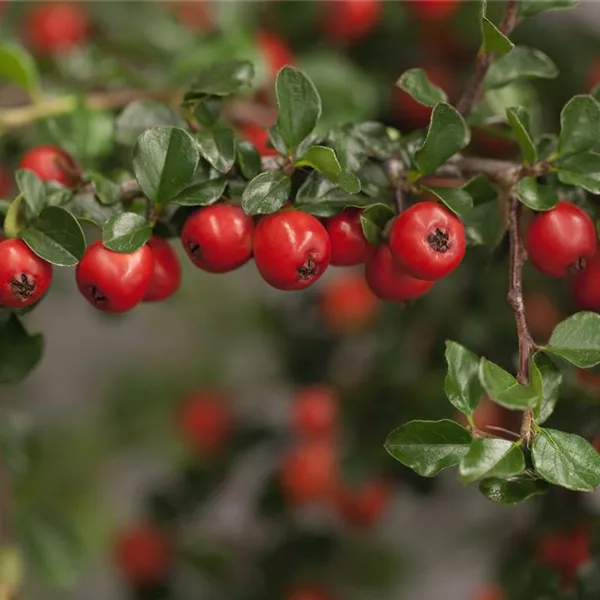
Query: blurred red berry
x,y
350,20
196,15
167,271
565,551
259,136
6,183
493,146
433,10
50,163
348,244
275,51
542,314
364,507
314,411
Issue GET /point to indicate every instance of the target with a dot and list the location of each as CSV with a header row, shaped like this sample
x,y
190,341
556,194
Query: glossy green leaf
x,y
428,447
221,79
299,106
202,194
208,110
582,170
521,62
481,189
546,378
491,457
512,491
493,40
462,380
373,221
248,159
535,195
447,134
504,389
579,123
141,115
456,199
108,192
56,236
518,119
217,146
266,193
577,340
20,352
126,232
324,160
86,207
416,83
33,190
164,162
566,459
531,8
484,225
18,66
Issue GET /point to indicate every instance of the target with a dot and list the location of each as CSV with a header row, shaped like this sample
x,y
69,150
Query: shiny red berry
x,y
561,240
348,244
205,421
433,10
24,276
143,555
314,411
56,26
389,281
565,552
114,281
428,241
586,285
275,51
258,136
291,249
167,271
365,506
351,20
50,163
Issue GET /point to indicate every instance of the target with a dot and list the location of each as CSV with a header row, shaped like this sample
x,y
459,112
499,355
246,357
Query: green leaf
x,y
566,459
518,119
248,159
484,225
577,340
579,123
491,457
141,115
447,134
202,194
299,106
373,220
18,67
108,192
56,236
536,195
266,193
519,63
164,162
86,207
481,189
456,199
221,79
208,110
546,378
126,232
582,170
324,160
217,146
428,447
462,380
504,389
416,83
33,190
512,491
493,40
531,8
20,352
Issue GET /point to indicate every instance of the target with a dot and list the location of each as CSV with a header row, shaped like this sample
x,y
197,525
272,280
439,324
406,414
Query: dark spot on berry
x,y
439,240
97,297
577,266
308,269
23,286
194,249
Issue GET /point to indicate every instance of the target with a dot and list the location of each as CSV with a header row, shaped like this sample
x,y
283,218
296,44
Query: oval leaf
x,y
18,67
582,170
141,115
577,340
416,83
266,193
530,8
512,491
373,220
456,199
518,119
462,380
519,63
536,195
579,123
33,190
221,79
126,232
504,389
107,192
248,159
546,378
217,146
20,352
491,457
202,194
493,39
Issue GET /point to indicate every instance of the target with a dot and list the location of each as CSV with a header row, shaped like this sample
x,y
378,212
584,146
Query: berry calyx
x,y
114,281
561,240
389,281
351,20
585,286
50,163
348,244
314,411
275,51
143,555
24,276
365,506
166,277
259,137
205,422
291,249
218,238
565,551
56,26
428,241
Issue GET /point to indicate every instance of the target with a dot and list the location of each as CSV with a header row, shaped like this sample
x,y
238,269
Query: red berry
x,y
434,10
291,249
351,20
218,238
348,304
315,411
493,146
24,276
561,240
114,281
56,26
428,241
586,285
258,136
543,315
167,271
205,421
196,16
348,244
565,552
389,281
365,507
50,163
275,51
309,473
308,593
593,78
143,555
6,183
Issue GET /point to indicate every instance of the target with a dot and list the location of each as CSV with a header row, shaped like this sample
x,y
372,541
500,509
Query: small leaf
x,y
349,182
484,225
491,457
373,220
164,162
518,119
299,106
18,67
456,199
582,170
324,160
86,207
202,194
536,195
56,236
531,8
512,491
32,189
447,134
493,40
546,378
20,352
519,63
126,232
577,340
579,122
462,380
504,389
107,192
566,459
428,447
481,189
266,193
221,79
248,159
217,146
141,115
416,83
208,110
